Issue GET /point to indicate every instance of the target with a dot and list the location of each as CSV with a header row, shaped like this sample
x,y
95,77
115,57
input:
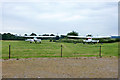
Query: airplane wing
x,y
84,37
76,36
41,36
101,37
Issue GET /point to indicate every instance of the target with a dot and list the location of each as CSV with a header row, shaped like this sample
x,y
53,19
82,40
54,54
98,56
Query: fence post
x,y
100,52
61,50
9,51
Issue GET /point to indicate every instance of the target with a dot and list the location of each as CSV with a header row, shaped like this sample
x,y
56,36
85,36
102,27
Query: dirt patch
x,y
82,67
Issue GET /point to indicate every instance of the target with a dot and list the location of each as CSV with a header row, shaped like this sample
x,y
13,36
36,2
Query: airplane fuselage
x,y
89,39
34,40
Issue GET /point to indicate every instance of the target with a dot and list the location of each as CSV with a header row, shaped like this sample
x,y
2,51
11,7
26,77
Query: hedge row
x,y
81,40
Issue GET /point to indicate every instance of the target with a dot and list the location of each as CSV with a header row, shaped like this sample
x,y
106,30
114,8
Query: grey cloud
x,y
56,17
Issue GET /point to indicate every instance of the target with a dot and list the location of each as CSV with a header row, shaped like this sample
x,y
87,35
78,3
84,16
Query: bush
x,y
81,40
71,40
73,33
54,40
108,40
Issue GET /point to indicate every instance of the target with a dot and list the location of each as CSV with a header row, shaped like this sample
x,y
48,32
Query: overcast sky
x,y
97,18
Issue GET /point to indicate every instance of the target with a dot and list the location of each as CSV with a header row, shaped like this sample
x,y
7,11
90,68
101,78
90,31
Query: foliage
x,y
52,35
25,34
71,40
63,36
57,37
73,33
75,40
9,36
33,34
110,40
45,35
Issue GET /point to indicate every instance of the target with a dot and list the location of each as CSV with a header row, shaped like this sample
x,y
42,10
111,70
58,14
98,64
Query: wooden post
x,y
61,50
100,52
9,51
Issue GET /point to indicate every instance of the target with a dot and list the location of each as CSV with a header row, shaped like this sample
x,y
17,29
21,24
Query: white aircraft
x,y
37,40
89,38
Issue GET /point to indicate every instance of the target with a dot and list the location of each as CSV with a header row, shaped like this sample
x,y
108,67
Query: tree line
x,y
33,34
62,38
9,36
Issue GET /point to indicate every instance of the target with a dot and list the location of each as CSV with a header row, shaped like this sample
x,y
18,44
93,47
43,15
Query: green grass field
x,y
22,49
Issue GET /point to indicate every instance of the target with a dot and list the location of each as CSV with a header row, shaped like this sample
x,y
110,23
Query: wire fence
x,y
61,50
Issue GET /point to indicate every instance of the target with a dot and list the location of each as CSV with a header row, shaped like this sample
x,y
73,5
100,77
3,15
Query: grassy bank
x,y
22,49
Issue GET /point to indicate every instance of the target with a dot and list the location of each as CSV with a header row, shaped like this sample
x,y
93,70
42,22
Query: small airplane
x,y
89,38
35,38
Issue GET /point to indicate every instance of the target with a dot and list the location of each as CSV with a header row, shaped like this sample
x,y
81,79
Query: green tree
x,y
73,33
0,36
45,34
25,34
33,34
52,35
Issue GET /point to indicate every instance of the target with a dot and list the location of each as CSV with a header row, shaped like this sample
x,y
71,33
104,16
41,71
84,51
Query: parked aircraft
x,y
89,38
35,38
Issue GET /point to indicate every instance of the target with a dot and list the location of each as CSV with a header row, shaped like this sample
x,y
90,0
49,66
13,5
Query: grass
x,y
22,49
